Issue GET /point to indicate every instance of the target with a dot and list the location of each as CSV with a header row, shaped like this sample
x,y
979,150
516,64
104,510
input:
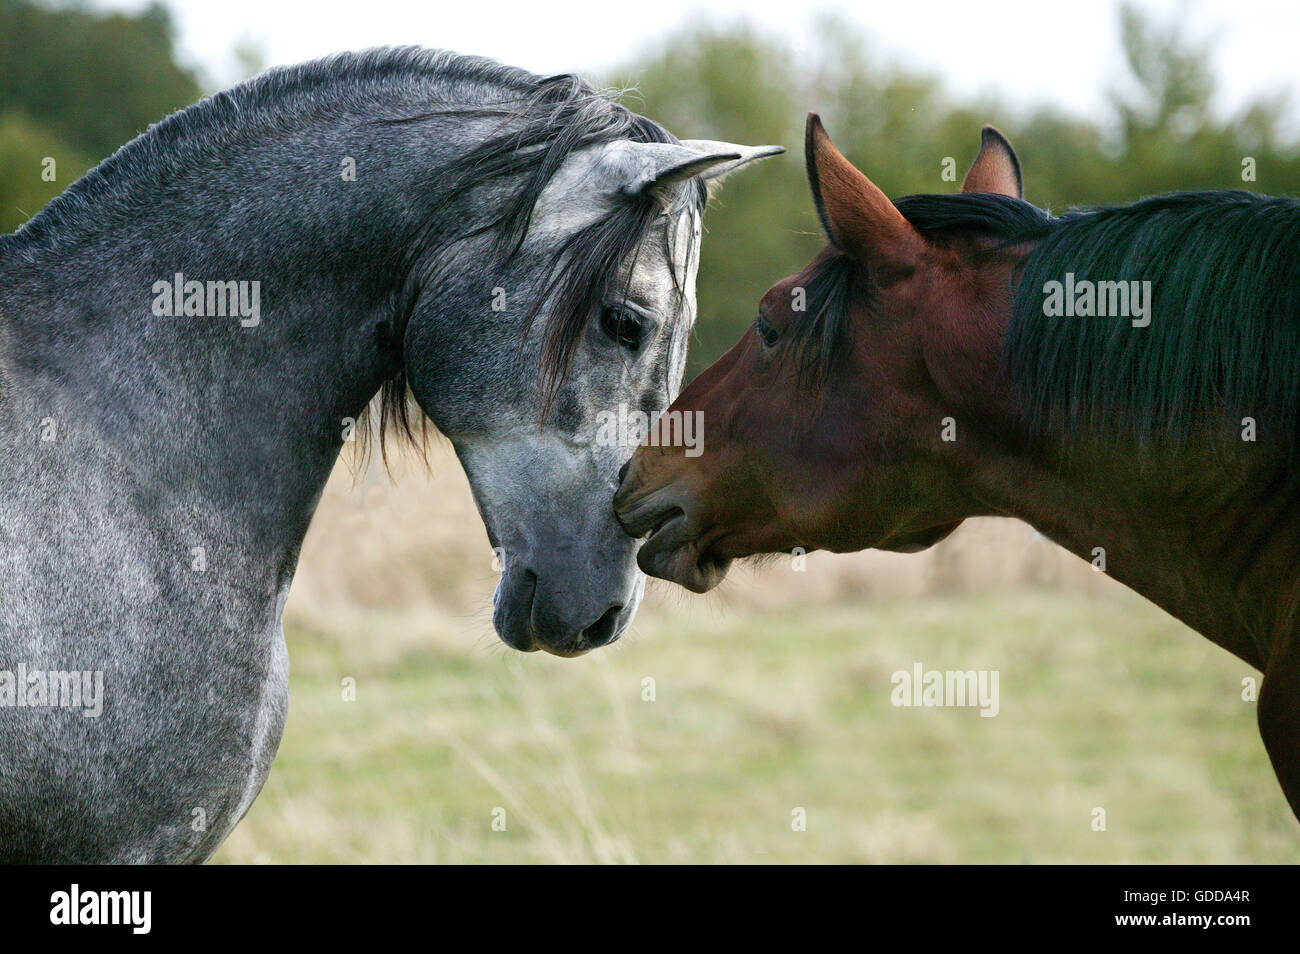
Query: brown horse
x,y
946,357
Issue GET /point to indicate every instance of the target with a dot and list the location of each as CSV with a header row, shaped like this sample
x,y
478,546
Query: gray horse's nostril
x,y
602,631
622,471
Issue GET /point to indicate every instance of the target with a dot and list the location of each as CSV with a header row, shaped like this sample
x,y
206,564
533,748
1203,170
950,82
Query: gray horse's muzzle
x,y
535,610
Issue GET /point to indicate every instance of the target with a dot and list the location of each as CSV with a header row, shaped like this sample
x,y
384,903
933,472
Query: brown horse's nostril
x,y
622,471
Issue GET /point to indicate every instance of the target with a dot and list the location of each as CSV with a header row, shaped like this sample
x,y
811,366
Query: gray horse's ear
x,y
744,156
654,168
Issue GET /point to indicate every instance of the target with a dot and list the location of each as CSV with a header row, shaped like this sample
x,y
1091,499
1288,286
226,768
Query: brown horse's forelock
x,y
817,340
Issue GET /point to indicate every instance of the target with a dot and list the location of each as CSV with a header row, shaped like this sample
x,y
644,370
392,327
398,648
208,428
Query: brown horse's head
x,y
830,427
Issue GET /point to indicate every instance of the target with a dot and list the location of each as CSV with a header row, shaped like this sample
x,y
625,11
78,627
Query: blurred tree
x,y
75,85
94,80
1173,78
35,166
249,54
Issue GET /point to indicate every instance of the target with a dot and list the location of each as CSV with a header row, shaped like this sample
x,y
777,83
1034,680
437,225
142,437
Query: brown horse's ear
x,y
858,218
996,169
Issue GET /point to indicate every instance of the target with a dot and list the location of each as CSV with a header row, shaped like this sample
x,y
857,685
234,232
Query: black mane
x,y
1224,332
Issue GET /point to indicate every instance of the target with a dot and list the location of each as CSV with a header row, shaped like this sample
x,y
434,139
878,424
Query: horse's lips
x,y
672,554
667,535
672,549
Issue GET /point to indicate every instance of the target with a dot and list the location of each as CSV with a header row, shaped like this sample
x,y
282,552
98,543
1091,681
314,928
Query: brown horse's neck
x,y
1206,532
1214,549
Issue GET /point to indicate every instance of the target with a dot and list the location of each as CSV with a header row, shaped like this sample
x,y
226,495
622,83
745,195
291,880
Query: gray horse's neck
x,y
240,421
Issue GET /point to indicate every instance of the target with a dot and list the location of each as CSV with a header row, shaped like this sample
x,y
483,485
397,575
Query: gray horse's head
x,y
563,314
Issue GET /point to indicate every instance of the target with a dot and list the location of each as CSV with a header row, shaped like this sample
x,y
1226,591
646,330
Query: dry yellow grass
x,y
769,697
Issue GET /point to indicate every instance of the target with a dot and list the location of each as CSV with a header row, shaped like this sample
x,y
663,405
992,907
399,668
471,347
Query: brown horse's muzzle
x,y
666,512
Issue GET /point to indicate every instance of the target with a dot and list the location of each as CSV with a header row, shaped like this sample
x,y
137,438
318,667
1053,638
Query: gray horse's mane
x,y
544,120
262,102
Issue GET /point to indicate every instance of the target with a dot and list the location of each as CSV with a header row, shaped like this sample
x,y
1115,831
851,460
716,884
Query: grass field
x,y
1105,702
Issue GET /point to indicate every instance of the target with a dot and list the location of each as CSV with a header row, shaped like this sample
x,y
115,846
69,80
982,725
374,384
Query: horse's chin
x,y
917,542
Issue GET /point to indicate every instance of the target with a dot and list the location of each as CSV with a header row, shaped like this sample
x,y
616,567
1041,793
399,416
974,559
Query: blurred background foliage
x,y
75,84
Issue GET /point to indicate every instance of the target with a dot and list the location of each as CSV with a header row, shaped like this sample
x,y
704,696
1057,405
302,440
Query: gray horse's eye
x,y
623,326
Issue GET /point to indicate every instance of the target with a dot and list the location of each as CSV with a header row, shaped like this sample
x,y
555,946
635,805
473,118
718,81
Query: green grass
x,y
1104,703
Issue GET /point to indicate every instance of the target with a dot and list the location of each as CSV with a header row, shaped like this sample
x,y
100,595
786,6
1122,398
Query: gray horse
x,y
188,336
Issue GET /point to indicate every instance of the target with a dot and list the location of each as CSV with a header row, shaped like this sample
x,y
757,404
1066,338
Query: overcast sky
x,y
1025,50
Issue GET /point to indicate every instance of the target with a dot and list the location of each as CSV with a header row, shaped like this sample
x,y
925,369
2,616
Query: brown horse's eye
x,y
765,331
